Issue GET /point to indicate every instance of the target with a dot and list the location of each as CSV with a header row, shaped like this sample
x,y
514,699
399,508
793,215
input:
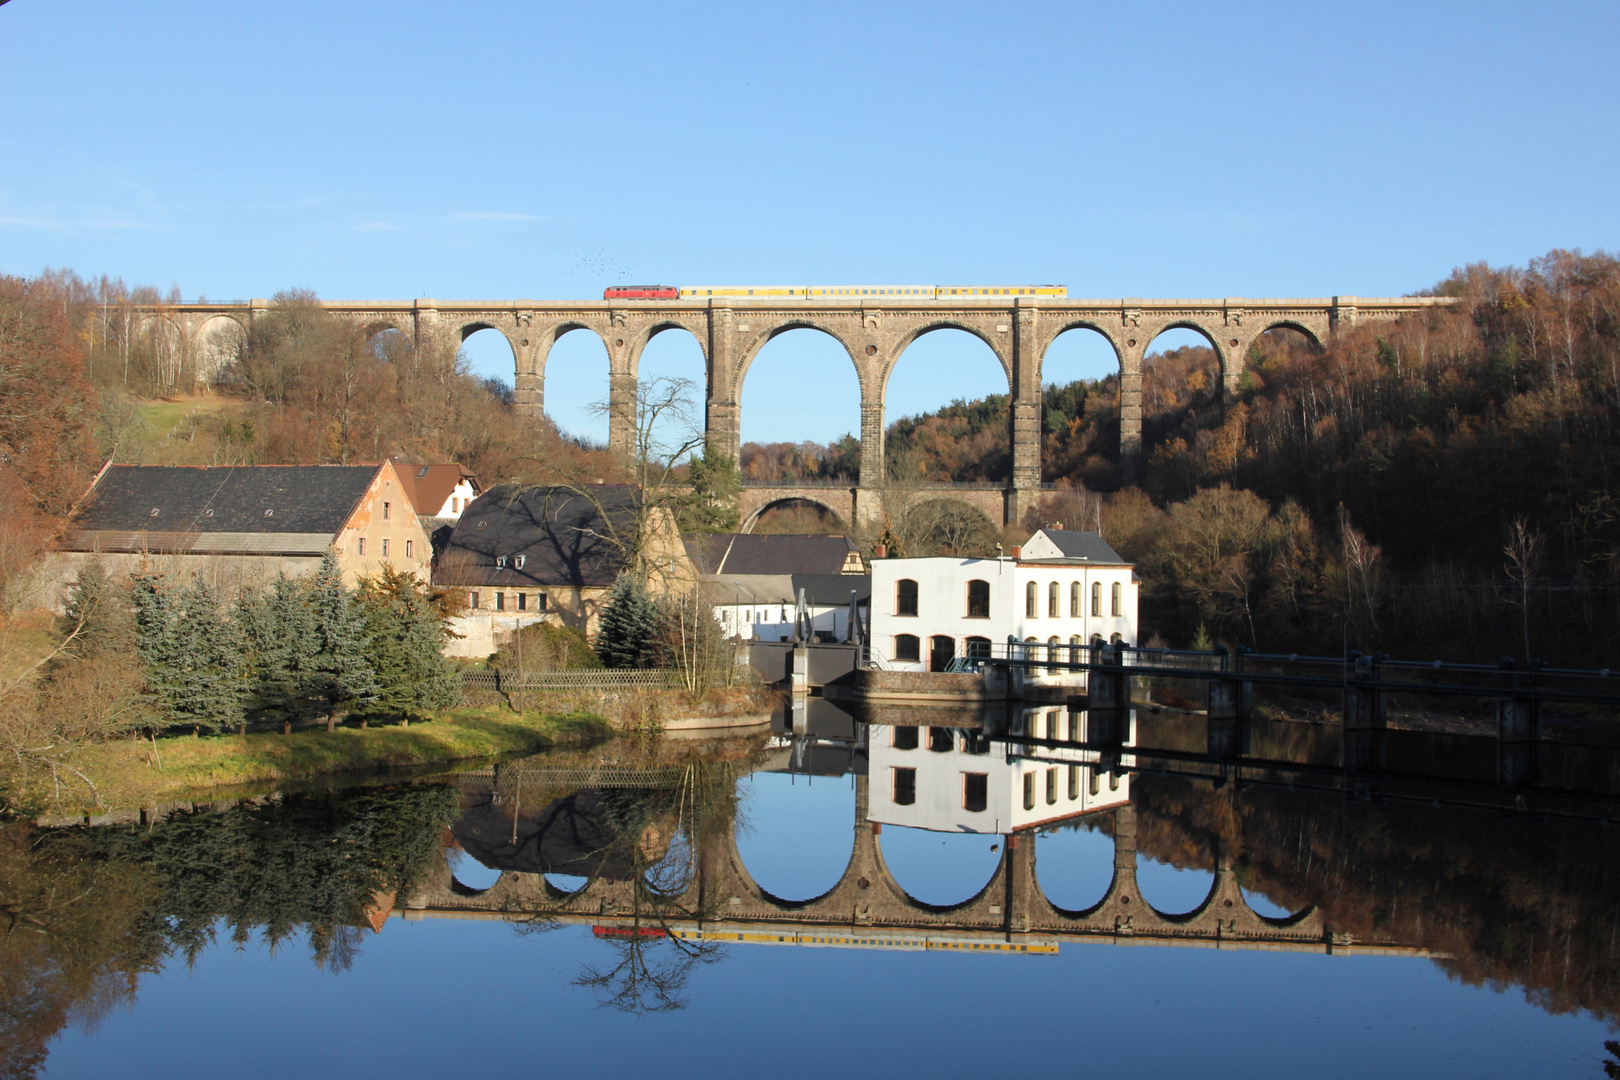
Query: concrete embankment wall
x,y
916,686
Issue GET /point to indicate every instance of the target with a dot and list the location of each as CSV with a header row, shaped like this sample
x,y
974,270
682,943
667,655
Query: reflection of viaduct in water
x,y
867,905
873,331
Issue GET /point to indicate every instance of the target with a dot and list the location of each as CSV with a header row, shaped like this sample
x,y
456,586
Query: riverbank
x,y
128,774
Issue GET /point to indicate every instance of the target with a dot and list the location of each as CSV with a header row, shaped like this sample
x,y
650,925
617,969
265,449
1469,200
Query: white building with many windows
x,y
1062,588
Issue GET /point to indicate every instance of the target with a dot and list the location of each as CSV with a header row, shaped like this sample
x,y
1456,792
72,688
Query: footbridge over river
x,y
874,332
721,901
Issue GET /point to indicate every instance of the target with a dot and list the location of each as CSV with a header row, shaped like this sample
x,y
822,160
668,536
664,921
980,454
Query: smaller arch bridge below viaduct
x,y
873,331
722,901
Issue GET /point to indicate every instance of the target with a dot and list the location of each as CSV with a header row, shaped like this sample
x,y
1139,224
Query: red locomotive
x,y
641,292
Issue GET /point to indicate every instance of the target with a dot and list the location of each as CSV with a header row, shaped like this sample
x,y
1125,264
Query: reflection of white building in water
x,y
954,780
1060,589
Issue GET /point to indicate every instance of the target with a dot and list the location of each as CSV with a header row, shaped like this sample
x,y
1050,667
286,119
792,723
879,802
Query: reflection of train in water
x,y
793,292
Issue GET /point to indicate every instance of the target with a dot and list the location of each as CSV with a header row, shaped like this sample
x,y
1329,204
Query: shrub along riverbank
x,y
135,772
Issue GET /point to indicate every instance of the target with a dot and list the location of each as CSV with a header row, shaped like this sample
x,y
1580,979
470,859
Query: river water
x,y
862,900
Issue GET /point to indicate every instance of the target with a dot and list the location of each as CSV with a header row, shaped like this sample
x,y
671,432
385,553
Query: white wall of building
x,y
942,604
1017,792
774,622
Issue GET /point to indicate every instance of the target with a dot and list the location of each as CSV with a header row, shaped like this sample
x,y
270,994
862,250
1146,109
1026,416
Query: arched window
x,y
907,647
1096,598
1051,786
1032,601
905,597
1029,791
977,648
903,738
1075,644
1115,639
1118,600
1075,610
978,599
1052,657
941,651
1053,611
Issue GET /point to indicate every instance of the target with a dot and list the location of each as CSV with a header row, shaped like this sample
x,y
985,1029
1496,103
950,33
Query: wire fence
x,y
602,679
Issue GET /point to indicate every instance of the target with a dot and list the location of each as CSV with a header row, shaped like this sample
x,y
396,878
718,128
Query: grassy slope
x,y
126,776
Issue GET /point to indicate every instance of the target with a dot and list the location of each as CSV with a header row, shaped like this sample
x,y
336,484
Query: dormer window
x,y
269,513
209,512
154,512
518,561
500,561
481,524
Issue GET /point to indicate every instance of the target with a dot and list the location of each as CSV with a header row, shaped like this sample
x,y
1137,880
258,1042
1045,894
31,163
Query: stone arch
x,y
1049,336
1298,325
752,517
927,326
546,338
216,343
751,350
643,337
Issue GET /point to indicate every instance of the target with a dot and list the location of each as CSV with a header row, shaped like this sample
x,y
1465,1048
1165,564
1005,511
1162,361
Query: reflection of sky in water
x,y
799,831
1074,866
469,871
938,867
1172,891
419,991
1263,906
566,882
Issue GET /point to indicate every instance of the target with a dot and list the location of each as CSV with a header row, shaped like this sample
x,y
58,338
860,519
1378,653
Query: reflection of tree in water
x,y
85,911
1510,901
643,841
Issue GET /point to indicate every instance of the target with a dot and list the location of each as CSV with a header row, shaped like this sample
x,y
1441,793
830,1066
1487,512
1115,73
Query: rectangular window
x,y
905,597
360,547
410,549
975,791
500,601
1051,786
905,786
1074,782
385,547
903,738
543,606
387,511
1096,599
1118,600
472,601
1029,791
523,601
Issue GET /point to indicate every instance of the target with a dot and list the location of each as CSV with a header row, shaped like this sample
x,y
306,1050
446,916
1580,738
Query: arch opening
x,y
800,400
566,883
1074,861
1279,347
795,516
1263,906
220,341
1172,890
672,361
1183,414
940,868
1080,409
793,831
966,436
576,386
489,356
467,875
944,526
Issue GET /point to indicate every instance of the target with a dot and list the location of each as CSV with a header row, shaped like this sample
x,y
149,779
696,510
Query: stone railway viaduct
x,y
873,331
867,903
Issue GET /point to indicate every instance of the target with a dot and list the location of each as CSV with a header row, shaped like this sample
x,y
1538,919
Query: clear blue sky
x,y
499,150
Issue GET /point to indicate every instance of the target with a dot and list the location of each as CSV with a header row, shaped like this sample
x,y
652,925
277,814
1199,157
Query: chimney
x,y
1018,552
881,551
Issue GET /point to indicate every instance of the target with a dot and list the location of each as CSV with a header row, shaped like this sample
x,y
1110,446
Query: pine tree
x,y
630,623
341,675
407,635
155,639
716,487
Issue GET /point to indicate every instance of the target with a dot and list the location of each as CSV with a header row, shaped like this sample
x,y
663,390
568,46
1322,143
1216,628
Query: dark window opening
x,y
905,738
522,602
978,600
905,787
940,740
907,647
1029,791
1051,786
500,601
472,600
977,648
905,597
941,651
975,791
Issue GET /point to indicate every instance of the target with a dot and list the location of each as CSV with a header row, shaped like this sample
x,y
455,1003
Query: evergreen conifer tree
x,y
341,675
207,687
630,623
407,635
279,627
155,639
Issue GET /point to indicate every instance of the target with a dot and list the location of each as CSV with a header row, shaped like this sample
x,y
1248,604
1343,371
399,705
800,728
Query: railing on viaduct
x,y
874,332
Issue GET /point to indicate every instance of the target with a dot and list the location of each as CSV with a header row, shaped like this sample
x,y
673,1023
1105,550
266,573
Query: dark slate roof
x,y
765,553
1083,545
560,536
833,589
259,507
570,835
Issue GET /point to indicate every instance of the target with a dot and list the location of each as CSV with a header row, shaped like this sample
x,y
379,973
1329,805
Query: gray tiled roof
x,y
1083,545
559,535
765,553
263,508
